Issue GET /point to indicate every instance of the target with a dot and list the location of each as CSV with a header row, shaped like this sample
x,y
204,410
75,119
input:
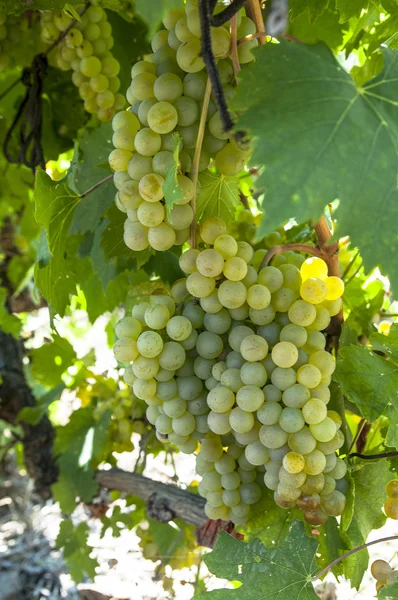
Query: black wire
x,y
374,456
205,12
227,14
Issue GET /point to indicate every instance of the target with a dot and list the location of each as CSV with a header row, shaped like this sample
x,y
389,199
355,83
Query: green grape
x,y
315,462
143,110
295,334
251,276
325,362
138,312
256,453
147,142
161,237
272,393
175,407
314,411
189,135
302,313
245,251
179,328
210,263
254,348
187,111
128,327
156,316
135,236
283,299
142,66
123,140
324,431
263,317
295,480
172,357
182,30
188,55
184,425
258,297
218,369
230,481
253,373
283,378
232,294
211,144
230,378
149,344
127,121
221,512
219,422
235,269
194,313
180,218
145,368
166,390
284,354
187,188
150,214
322,319
277,454
216,127
271,277
230,161
313,290
237,335
195,85
273,436
271,481
340,469
333,504
315,341
250,398
231,498
380,570
142,86
190,387
187,261
234,360
218,323
309,376
211,228
331,460
332,445
172,16
250,492
214,498
240,420
162,118
209,345
152,413
163,161
144,388
203,367
226,464
138,166
291,420
333,306
125,349
119,159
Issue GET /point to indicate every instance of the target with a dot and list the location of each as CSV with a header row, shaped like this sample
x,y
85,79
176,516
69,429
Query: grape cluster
x,y
245,228
86,50
12,30
166,96
235,357
383,574
391,504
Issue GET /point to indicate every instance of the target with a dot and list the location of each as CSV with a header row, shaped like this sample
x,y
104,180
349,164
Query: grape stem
x,y
253,9
321,253
356,436
374,456
196,158
349,553
96,185
66,30
234,48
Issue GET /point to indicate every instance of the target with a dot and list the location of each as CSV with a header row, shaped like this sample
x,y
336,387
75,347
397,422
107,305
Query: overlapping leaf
x,y
218,195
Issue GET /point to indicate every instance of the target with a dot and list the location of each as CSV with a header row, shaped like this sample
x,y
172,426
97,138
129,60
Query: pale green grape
x,y
210,263
254,348
172,357
269,413
187,368
139,166
325,362
234,360
194,313
156,316
230,161
211,228
271,481
339,470
199,285
333,306
272,393
235,269
322,392
324,431
237,335
188,56
218,370
271,277
144,388
287,494
251,276
302,313
283,378
273,436
187,111
178,328
209,345
295,334
322,319
175,407
231,379
226,464
150,214
211,448
247,476
314,411
291,276
142,66
152,413
190,387
258,297
162,118
309,376
147,142
220,512
333,445
203,367
240,420
245,251
119,159
142,86
90,66
256,453
295,480
247,438
221,399
284,354
230,481
214,498
218,323
315,462
313,290
219,422
283,299
211,303
123,139
250,492
331,460
195,85
254,374
145,368
128,327
277,454
180,218
315,341
270,333
187,260
184,425
161,237
333,504
231,498
212,481
125,120
291,420
125,349
166,390
163,424
199,405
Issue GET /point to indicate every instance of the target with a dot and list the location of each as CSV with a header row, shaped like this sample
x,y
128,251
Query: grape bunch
x,y
383,574
86,50
235,358
12,30
166,95
391,504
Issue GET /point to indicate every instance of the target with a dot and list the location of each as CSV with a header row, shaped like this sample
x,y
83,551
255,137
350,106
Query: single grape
x,y
125,349
380,570
314,267
391,508
392,489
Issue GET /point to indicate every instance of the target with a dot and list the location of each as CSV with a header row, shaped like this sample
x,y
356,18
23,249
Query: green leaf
x,y
370,482
390,592
326,28
8,323
272,573
112,239
312,8
171,188
370,382
153,12
270,523
50,361
76,551
350,8
330,546
311,115
388,344
80,444
218,195
33,414
55,205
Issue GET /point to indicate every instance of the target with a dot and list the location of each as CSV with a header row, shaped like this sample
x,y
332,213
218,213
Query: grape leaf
x,y
388,344
272,573
330,546
270,523
312,8
370,482
326,28
311,115
33,414
370,382
112,238
76,551
50,361
171,188
350,8
8,323
218,195
390,592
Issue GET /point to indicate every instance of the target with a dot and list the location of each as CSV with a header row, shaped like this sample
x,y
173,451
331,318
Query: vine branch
x,y
321,253
350,552
254,11
196,158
